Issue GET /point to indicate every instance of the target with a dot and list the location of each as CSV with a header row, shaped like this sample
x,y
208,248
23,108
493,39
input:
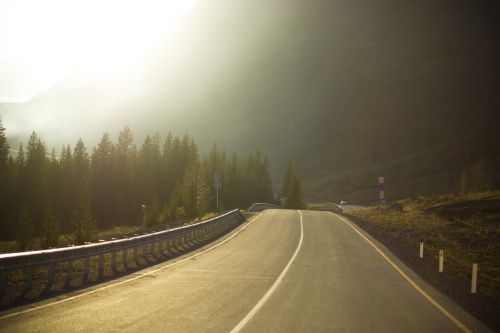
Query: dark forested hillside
x,y
352,89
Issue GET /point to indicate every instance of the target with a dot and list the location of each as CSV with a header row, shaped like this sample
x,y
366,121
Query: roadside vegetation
x,y
465,226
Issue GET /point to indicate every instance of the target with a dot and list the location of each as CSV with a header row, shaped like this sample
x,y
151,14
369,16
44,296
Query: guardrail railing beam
x,y
159,244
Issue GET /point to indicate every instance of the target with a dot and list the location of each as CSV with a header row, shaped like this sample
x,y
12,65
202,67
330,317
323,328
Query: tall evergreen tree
x,y
5,181
287,179
295,197
35,183
103,183
4,148
124,160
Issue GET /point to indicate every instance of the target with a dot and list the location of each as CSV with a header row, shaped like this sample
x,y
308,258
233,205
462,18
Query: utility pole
x,y
217,186
144,218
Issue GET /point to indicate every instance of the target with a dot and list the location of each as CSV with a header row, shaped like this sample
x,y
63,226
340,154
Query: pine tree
x,y
5,181
4,148
287,179
35,187
65,191
124,165
103,184
291,188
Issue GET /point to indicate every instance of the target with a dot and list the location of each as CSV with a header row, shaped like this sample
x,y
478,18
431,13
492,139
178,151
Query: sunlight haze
x,y
44,41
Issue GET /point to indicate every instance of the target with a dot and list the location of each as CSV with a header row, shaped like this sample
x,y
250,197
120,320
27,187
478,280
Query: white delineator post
x,y
421,249
441,261
473,287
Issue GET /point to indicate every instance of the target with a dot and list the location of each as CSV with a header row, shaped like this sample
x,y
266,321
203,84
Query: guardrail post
x,y
29,277
135,256
50,275
101,265
3,282
172,243
125,258
113,261
473,287
69,271
85,270
441,261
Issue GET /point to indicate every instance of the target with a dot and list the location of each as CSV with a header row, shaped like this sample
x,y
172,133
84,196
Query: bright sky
x,y
42,41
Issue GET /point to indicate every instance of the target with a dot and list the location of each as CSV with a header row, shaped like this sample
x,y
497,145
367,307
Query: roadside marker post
x,y
473,287
381,189
441,261
421,249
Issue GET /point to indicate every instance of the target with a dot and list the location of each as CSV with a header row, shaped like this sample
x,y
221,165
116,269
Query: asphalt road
x,y
331,280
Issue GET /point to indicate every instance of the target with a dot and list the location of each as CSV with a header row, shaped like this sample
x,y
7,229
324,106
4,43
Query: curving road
x,y
331,280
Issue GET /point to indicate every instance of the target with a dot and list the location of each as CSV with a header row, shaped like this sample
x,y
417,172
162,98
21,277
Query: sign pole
x,y
217,186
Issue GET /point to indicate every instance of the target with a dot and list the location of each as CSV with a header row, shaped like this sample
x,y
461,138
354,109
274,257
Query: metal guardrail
x,y
27,260
260,206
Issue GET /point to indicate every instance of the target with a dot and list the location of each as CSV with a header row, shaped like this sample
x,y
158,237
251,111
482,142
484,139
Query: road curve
x,y
336,282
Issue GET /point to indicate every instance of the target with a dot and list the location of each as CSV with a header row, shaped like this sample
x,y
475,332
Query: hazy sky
x,y
44,41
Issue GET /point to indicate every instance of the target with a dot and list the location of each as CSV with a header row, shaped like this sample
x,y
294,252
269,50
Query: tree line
x,y
76,191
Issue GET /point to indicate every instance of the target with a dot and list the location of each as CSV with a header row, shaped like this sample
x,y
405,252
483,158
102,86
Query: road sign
x,y
381,180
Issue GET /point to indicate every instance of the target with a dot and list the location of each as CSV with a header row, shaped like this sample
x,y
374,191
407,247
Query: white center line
x,y
273,288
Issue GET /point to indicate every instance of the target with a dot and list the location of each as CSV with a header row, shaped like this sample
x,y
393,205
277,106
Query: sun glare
x,y
47,40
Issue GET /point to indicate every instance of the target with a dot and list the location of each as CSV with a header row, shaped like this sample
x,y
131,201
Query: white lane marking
x,y
273,288
428,297
131,279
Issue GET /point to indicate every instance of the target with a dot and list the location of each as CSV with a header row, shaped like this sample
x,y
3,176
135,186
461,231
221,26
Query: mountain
x,y
352,89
